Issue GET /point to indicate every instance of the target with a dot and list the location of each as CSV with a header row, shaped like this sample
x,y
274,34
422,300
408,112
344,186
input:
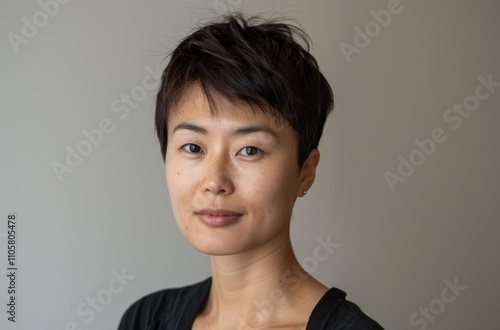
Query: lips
x,y
218,217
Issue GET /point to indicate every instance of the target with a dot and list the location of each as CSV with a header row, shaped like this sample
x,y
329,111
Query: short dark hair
x,y
259,62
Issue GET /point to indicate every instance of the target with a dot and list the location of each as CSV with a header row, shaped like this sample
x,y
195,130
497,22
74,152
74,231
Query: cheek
x,y
176,182
272,189
178,194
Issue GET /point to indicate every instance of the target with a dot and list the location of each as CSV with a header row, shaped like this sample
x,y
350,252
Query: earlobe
x,y
308,172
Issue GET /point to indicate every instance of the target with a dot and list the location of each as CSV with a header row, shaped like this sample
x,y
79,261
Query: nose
x,y
218,175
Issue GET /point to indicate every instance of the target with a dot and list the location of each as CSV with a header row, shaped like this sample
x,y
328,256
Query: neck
x,y
264,286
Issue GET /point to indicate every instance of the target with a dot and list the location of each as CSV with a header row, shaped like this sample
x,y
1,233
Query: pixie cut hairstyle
x,y
262,63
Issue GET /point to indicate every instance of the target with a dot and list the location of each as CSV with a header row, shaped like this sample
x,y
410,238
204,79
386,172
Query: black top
x,y
176,309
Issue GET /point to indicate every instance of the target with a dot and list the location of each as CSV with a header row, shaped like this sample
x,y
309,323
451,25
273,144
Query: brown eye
x,y
250,151
191,148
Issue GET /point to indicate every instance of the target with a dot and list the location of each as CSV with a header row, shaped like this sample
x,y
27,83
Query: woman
x,y
239,115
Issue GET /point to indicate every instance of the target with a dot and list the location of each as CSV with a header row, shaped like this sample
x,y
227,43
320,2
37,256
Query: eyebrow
x,y
239,132
255,129
190,127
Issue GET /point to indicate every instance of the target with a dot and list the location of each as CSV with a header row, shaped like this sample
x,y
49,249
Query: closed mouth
x,y
218,217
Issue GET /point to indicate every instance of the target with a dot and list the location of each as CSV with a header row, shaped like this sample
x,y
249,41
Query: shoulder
x,y
159,306
334,312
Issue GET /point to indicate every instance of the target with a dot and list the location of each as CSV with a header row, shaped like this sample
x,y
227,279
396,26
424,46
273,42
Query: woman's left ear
x,y
308,172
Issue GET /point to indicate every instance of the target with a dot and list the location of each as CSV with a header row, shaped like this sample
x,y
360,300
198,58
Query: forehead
x,y
193,105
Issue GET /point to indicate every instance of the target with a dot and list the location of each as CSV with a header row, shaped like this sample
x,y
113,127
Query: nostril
x,y
217,181
215,190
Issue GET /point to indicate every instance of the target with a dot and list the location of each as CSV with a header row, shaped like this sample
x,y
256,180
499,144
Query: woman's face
x,y
232,177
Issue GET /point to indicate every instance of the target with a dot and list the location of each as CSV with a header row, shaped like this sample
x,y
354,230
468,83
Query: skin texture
x,y
243,161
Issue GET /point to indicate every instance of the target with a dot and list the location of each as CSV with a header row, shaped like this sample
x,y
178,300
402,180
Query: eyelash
x,y
258,151
188,148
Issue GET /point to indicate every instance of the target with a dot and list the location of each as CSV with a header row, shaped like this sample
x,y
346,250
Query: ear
x,y
308,172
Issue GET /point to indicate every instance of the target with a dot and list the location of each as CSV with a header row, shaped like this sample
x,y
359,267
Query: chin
x,y
217,246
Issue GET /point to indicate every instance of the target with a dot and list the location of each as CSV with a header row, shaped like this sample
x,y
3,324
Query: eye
x,y
250,151
191,148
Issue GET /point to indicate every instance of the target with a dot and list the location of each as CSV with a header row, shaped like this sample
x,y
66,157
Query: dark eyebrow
x,y
240,131
255,129
190,127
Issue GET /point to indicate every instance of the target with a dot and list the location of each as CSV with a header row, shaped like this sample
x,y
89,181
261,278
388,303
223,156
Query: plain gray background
x,y
111,212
